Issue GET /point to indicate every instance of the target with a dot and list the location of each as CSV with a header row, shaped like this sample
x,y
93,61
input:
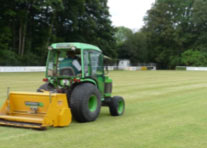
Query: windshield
x,y
64,63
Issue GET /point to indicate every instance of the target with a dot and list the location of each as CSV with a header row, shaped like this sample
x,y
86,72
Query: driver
x,y
71,61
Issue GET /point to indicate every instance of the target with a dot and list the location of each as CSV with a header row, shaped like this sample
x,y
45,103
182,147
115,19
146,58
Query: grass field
x,y
164,109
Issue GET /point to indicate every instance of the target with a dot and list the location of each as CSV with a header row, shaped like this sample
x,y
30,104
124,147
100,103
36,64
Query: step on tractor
x,y
76,85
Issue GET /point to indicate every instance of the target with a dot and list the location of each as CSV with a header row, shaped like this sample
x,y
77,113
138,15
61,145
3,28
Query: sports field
x,y
164,109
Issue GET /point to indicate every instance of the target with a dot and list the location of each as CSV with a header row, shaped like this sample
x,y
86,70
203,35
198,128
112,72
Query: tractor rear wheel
x,y
85,102
117,106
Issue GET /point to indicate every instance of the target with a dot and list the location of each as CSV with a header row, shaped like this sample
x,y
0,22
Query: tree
x,y
122,34
194,58
134,48
87,22
28,27
174,31
169,30
199,19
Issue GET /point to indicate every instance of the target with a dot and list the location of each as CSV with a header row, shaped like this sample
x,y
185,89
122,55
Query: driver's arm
x,y
77,65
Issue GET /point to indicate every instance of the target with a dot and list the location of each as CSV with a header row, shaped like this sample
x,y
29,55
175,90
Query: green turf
x,y
164,109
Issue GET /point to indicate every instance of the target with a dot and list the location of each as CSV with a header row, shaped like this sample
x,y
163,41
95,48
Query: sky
x,y
129,13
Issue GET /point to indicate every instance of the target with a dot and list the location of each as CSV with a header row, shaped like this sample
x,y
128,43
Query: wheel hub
x,y
92,103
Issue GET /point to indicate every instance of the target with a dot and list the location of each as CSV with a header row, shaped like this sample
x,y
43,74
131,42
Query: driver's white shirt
x,y
76,64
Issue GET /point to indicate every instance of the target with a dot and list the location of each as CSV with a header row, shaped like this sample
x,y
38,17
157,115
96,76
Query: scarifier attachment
x,y
35,110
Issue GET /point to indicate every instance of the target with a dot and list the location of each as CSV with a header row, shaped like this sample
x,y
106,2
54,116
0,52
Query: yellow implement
x,y
35,110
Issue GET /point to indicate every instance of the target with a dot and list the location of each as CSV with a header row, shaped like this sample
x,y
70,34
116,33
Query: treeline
x,y
28,27
175,33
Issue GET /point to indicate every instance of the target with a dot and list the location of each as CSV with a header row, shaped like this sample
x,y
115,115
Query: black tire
x,y
80,102
47,87
117,106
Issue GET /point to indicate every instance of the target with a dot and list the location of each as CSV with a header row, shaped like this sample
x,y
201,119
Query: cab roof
x,y
74,45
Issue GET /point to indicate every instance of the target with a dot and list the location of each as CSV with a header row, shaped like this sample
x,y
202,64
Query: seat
x,y
67,71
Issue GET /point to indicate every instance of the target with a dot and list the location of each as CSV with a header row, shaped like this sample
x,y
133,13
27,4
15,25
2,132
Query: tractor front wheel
x,y
117,106
85,102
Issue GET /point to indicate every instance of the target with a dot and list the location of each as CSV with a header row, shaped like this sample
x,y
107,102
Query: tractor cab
x,y
70,63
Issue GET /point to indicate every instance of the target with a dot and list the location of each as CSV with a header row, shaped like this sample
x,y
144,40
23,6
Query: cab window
x,y
93,63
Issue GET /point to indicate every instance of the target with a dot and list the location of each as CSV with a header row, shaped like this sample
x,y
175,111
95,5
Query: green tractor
x,y
77,69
